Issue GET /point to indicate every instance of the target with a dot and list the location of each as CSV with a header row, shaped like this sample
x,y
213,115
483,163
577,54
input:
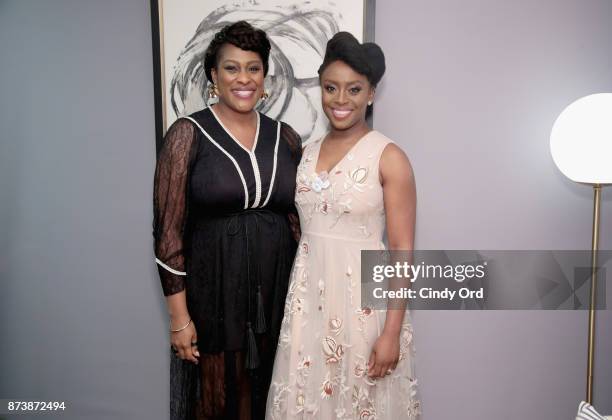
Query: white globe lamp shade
x,y
581,140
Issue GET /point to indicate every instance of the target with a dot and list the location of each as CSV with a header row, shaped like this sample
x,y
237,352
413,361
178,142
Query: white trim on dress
x,y
251,153
170,269
271,187
244,185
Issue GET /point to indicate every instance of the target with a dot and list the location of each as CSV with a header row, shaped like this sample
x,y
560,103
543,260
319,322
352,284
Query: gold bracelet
x,y
180,329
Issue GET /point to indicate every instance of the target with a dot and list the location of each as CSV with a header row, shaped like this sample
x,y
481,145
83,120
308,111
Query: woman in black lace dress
x,y
223,198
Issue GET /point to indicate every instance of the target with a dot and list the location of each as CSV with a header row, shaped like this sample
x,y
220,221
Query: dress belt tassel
x,y
252,354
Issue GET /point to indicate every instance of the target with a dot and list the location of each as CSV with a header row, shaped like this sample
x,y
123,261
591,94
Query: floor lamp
x,y
581,146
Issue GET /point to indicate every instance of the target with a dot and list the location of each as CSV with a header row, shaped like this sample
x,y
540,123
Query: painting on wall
x,y
298,32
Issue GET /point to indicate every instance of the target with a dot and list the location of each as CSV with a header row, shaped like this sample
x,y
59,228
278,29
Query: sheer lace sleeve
x,y
294,141
170,203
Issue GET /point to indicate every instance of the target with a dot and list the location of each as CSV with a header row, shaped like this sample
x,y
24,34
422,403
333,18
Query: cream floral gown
x,y
326,337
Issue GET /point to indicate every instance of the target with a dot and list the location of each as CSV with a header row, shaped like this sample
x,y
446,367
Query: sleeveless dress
x,y
222,234
326,337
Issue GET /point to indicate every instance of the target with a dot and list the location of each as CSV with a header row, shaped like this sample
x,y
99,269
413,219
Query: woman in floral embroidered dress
x,y
336,359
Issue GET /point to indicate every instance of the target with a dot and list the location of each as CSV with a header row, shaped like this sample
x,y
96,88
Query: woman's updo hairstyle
x,y
366,59
242,35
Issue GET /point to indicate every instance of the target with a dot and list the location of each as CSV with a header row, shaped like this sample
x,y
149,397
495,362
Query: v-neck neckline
x,y
229,133
345,156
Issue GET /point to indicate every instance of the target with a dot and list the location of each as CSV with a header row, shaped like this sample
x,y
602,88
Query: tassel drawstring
x,y
260,320
259,326
252,356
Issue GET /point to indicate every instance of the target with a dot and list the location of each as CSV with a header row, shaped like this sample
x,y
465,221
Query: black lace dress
x,y
222,234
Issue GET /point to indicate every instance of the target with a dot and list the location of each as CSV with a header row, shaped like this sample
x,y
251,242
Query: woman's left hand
x,y
384,356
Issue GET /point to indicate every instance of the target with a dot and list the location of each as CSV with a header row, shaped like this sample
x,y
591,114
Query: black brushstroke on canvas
x,y
309,29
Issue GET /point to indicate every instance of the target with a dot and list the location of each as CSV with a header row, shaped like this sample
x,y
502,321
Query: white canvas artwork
x,y
298,32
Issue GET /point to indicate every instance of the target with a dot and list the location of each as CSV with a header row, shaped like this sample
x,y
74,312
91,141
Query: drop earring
x,y
212,90
264,95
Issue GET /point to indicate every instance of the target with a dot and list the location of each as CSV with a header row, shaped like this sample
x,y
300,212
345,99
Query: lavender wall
x,y
81,308
471,93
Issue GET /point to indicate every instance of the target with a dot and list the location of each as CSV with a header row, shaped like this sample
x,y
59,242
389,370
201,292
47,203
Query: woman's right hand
x,y
184,342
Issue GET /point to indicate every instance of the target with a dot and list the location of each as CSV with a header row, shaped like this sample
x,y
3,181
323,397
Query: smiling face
x,y
239,76
344,95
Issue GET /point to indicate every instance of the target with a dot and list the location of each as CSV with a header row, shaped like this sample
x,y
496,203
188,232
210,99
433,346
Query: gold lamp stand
x,y
592,302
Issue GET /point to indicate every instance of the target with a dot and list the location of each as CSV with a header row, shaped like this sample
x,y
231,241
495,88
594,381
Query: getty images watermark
x,y
413,272
481,279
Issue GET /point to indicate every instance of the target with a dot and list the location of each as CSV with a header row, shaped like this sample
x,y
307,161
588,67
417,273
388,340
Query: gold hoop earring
x,y
213,92
264,95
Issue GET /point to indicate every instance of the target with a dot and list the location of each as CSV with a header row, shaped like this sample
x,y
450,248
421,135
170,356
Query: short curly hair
x,y
367,59
244,36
